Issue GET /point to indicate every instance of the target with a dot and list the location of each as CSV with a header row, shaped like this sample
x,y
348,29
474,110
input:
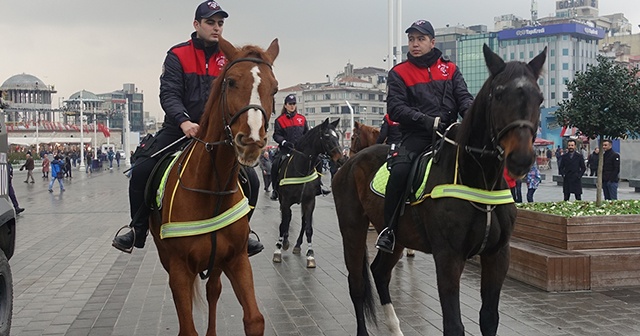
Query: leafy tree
x,y
605,104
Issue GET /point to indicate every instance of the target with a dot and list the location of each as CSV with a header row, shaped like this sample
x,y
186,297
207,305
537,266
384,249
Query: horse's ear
x,y
356,125
335,123
495,64
273,50
325,123
537,63
227,48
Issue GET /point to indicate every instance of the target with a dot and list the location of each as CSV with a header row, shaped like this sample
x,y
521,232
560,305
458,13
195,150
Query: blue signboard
x,y
558,29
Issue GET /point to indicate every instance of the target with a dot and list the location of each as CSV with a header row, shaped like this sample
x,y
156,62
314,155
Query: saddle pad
x,y
379,183
158,180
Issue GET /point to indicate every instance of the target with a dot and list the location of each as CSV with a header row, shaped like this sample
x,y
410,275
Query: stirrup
x,y
125,250
255,234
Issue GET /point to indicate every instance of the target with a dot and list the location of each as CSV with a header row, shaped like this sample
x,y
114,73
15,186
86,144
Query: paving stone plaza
x,y
68,280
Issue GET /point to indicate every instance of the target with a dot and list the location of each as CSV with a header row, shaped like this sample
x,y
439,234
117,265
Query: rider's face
x,y
291,107
420,44
209,30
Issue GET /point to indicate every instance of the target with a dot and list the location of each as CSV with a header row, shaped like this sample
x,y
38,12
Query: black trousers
x,y
411,148
142,169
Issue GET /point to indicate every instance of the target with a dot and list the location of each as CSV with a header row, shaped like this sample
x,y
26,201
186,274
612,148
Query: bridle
x,y
356,142
228,119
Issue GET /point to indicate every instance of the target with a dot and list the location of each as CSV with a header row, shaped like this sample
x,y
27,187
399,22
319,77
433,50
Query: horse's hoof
x,y
285,245
296,250
311,262
411,253
277,257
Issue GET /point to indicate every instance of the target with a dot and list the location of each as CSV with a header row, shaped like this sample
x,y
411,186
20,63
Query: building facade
x,y
471,59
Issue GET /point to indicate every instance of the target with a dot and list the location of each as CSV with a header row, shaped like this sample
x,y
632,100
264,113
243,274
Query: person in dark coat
x,y
592,162
610,171
389,132
265,166
572,168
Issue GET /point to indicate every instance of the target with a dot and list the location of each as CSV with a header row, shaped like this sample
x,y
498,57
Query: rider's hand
x,y
190,129
288,145
429,122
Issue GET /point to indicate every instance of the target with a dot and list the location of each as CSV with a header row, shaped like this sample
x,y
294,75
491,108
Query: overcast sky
x,y
99,45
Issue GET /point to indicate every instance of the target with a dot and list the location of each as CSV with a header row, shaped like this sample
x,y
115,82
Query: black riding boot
x,y
139,224
254,247
394,195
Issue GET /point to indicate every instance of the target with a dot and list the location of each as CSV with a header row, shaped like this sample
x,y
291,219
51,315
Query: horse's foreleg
x,y
307,228
285,212
241,277
494,271
214,288
181,282
381,269
449,267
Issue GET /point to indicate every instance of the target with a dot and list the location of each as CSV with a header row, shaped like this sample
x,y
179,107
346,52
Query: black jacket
x,y
187,73
430,85
610,166
389,131
289,127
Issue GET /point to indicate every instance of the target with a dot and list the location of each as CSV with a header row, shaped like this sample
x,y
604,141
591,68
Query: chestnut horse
x,y
363,136
498,131
204,184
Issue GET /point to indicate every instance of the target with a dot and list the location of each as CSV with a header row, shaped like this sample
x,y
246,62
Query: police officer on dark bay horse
x,y
288,129
389,132
188,71
425,93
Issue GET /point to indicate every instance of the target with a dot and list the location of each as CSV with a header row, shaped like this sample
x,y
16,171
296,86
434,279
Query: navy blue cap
x,y
290,99
422,26
208,9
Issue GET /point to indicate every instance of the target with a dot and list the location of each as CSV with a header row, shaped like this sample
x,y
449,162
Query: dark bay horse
x,y
299,182
498,131
362,137
204,184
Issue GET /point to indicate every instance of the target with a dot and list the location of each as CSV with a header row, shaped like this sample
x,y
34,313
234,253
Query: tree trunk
x,y
599,177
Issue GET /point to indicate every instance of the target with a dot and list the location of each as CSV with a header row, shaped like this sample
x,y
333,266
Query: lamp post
x,y
82,166
35,101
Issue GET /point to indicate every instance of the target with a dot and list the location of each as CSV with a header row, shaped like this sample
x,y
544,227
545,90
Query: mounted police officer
x,y
188,71
425,93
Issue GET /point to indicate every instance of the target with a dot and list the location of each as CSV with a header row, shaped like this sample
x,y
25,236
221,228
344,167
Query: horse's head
x,y
246,97
354,146
329,139
513,108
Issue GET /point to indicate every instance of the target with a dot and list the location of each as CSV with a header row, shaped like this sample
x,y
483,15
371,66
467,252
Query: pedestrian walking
x,y
29,165
110,156
89,164
572,168
265,166
45,166
592,162
533,180
118,158
67,167
56,173
610,171
12,193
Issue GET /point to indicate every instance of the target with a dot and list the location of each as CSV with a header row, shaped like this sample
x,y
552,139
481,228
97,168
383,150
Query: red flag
x,y
105,130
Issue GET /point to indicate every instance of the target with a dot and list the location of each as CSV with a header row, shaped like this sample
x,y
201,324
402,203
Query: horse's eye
x,y
498,92
275,91
231,82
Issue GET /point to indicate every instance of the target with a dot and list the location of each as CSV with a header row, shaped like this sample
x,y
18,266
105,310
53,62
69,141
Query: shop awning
x,y
32,141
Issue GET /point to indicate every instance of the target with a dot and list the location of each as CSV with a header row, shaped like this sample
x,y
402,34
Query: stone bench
x,y
587,181
635,183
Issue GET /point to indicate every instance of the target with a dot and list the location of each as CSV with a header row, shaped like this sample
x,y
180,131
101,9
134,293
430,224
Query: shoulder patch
x,y
445,58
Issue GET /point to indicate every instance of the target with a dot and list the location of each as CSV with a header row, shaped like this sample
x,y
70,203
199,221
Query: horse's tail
x,y
198,299
368,302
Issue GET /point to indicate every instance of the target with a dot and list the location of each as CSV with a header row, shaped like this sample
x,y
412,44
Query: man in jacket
x,y
187,73
425,93
29,165
389,132
610,171
572,168
592,162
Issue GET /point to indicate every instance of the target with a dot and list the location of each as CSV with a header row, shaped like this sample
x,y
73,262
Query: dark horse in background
x,y
498,131
204,183
299,168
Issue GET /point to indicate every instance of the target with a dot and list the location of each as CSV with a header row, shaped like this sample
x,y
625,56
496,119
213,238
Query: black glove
x,y
288,145
429,122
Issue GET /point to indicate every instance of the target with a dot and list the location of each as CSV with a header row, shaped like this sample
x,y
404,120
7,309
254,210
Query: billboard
x,y
582,30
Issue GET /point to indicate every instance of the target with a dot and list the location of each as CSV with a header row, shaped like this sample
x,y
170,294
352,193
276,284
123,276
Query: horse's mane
x,y
475,118
309,138
252,51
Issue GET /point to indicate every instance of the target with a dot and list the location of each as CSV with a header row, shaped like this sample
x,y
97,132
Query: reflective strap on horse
x,y
194,228
490,197
299,180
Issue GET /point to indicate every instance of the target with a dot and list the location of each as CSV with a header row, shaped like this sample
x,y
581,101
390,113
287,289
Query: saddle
x,y
417,180
154,189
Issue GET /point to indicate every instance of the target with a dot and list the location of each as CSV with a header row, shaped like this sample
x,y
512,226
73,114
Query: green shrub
x,y
15,157
584,208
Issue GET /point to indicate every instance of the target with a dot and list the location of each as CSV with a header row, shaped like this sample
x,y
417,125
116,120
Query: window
x,y
553,67
310,110
553,95
325,109
553,81
565,66
345,110
531,54
327,96
522,55
512,56
372,96
552,52
565,51
312,123
565,95
565,80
